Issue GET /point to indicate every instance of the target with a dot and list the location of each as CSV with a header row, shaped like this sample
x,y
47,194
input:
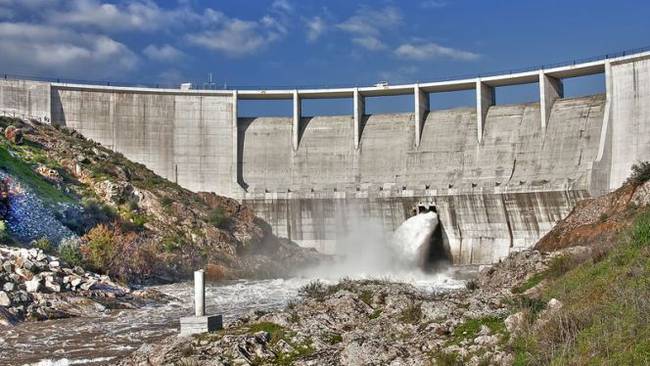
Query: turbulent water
x,y
106,339
102,340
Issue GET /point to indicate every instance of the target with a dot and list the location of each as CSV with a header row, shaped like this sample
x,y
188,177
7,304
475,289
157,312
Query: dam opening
x,y
501,175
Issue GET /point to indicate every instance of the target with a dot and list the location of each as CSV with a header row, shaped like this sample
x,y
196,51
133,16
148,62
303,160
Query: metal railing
x,y
201,85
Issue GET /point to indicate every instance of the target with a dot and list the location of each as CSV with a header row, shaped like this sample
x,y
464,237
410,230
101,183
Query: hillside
x,y
94,207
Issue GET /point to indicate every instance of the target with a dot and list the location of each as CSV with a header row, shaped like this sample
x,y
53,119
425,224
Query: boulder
x,y
33,285
4,299
9,286
515,322
52,286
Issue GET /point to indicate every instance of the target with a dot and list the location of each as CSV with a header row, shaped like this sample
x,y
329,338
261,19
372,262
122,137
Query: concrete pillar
x,y
421,108
296,120
484,99
199,293
359,111
234,172
550,89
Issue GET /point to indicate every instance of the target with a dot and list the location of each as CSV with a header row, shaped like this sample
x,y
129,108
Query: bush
x,y
640,173
217,217
4,236
99,248
70,253
14,134
43,244
412,313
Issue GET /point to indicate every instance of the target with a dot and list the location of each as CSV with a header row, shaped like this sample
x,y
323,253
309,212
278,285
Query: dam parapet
x,y
500,175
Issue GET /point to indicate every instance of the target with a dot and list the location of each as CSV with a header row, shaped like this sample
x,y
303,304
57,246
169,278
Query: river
x,y
103,340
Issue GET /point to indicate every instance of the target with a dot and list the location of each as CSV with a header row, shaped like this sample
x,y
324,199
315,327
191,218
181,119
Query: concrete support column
x,y
484,99
296,120
359,111
421,108
234,172
550,89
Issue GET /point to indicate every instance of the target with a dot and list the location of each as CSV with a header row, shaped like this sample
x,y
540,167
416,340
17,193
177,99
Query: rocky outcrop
x,y
598,221
37,286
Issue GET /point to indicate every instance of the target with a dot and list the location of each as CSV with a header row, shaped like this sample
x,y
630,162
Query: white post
x,y
199,293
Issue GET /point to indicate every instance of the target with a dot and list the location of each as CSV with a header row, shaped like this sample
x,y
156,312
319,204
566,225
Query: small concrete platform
x,y
200,324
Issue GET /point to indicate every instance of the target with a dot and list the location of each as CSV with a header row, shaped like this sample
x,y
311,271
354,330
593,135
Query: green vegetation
x,y
531,282
4,235
333,338
43,244
448,359
22,171
470,328
366,297
640,173
412,313
217,217
69,252
375,314
606,314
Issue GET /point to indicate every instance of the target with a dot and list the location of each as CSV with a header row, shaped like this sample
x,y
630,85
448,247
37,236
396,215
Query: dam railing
x,y
202,85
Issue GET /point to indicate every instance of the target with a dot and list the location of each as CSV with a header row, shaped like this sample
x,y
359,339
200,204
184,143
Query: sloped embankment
x,y
128,222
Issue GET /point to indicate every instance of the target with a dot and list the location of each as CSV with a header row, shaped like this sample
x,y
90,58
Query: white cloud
x,y
372,22
370,43
429,51
282,5
315,28
52,50
236,38
432,4
164,53
142,15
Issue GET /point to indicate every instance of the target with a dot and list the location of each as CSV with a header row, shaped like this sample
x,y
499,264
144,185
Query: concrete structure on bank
x,y
499,175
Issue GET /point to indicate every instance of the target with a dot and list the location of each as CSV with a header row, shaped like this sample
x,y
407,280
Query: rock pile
x,y
34,285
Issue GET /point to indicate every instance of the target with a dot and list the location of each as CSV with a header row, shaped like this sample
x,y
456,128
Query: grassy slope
x,y
606,314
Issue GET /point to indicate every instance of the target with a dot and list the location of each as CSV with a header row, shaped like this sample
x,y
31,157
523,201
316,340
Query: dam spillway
x,y
500,176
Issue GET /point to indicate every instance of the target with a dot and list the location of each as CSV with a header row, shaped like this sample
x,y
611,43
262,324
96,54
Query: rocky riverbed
x,y
38,286
370,322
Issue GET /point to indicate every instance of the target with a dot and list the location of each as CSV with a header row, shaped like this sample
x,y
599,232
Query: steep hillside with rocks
x,y
94,207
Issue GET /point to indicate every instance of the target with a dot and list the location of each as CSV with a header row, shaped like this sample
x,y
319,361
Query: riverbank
x,y
38,286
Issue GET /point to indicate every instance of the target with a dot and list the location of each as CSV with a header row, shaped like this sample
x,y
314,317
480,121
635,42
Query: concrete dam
x,y
499,176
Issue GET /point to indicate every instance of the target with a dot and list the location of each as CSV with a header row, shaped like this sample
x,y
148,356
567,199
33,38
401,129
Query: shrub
x,y
217,217
640,233
412,313
70,253
640,173
314,289
4,236
166,202
43,244
99,247
14,134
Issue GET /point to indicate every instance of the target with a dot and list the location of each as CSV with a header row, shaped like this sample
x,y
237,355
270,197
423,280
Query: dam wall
x,y
500,176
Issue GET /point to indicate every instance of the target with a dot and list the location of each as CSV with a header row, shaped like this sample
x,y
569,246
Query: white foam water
x,y
412,235
102,340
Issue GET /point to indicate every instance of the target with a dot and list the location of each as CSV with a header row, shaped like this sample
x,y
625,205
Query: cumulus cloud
x,y
236,37
315,28
143,15
164,53
369,42
368,25
430,51
47,49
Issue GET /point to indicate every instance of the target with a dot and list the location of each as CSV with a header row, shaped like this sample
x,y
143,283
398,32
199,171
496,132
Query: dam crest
x,y
499,176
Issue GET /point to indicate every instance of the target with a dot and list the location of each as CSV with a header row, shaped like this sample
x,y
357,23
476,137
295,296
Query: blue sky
x,y
292,43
